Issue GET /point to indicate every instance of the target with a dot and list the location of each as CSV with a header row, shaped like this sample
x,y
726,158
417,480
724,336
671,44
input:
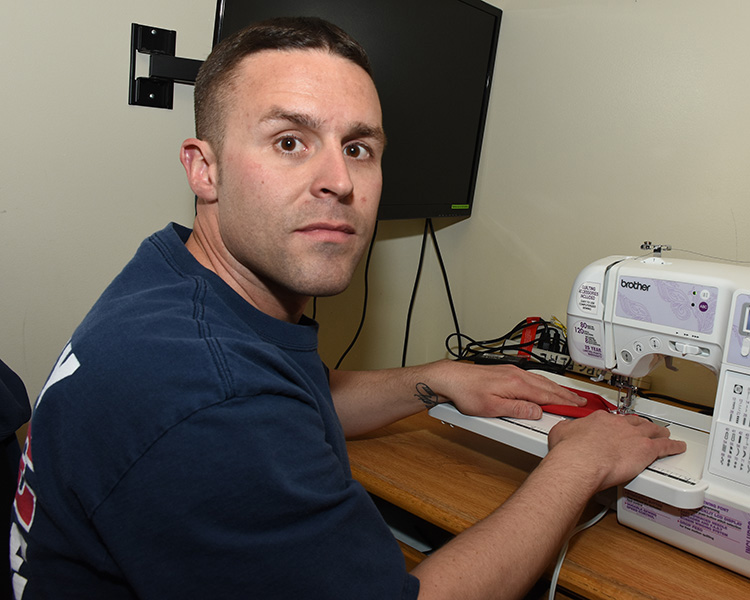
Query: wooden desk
x,y
453,478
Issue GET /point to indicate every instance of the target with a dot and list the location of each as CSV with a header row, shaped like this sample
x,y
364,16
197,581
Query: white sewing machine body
x,y
624,314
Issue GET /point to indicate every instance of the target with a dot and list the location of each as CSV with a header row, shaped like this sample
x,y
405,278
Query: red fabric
x,y
593,402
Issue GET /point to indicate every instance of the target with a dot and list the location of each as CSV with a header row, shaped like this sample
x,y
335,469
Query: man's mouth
x,y
328,231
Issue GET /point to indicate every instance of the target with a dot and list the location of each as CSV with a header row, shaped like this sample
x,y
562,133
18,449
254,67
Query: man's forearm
x,y
366,400
502,556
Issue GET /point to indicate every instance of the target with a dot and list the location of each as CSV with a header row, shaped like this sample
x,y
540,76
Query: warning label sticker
x,y
587,295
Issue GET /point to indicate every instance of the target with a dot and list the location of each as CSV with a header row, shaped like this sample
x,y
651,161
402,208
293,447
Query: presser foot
x,y
626,393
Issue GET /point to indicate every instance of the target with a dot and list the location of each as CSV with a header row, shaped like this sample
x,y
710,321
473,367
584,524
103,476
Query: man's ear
x,y
201,168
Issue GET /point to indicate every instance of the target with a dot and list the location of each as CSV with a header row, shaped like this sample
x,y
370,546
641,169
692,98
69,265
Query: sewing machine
x,y
624,315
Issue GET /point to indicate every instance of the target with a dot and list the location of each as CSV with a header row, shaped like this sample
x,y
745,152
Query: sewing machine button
x,y
654,343
745,350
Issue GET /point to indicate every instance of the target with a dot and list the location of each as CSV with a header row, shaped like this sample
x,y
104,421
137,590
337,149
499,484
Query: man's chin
x,y
328,289
326,278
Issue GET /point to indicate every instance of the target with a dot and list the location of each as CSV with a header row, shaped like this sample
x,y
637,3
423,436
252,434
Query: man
x,y
190,444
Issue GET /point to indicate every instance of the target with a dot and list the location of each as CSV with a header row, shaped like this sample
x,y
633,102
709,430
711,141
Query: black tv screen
x,y
432,63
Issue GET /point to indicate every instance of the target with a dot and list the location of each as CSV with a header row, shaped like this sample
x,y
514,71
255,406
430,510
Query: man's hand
x,y
497,390
611,448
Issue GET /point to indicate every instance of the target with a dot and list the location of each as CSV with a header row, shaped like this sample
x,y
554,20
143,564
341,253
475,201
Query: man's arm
x,y
503,555
366,400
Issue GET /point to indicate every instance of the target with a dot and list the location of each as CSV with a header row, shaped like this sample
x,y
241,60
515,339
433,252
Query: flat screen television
x,y
433,63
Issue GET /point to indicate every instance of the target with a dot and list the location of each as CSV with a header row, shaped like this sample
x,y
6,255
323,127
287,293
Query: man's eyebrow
x,y
363,130
300,119
307,121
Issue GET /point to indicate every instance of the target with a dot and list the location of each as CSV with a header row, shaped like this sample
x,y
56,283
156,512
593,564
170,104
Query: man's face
x,y
299,176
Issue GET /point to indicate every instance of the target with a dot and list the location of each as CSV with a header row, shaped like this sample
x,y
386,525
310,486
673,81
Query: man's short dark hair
x,y
214,82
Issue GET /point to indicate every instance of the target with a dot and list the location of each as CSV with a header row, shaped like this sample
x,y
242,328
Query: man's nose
x,y
332,175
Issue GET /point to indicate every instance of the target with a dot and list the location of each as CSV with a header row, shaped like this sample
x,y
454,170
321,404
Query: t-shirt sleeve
x,y
248,499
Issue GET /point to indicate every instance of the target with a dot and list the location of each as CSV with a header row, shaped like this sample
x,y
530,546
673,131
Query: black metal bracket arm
x,y
165,69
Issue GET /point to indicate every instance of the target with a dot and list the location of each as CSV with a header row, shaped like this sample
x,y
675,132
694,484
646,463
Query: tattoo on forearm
x,y
426,395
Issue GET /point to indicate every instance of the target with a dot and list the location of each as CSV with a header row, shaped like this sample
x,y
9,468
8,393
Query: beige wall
x,y
611,122
85,177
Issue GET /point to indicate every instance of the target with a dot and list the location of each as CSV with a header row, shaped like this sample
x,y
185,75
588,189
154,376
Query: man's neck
x,y
212,258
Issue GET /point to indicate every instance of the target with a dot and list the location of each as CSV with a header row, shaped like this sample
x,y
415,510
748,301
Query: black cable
x,y
446,283
701,408
475,346
413,296
493,351
364,303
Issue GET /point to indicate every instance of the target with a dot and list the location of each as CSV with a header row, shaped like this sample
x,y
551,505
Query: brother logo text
x,y
635,285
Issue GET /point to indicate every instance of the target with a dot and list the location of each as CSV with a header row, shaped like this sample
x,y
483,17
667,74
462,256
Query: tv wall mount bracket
x,y
165,69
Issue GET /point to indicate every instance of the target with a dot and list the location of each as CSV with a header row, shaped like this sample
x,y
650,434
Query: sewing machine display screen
x,y
745,323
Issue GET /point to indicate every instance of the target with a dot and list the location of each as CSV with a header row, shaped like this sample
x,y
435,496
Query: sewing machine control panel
x,y
730,456
730,446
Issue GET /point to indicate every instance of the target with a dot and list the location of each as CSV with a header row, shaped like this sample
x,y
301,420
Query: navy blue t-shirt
x,y
186,446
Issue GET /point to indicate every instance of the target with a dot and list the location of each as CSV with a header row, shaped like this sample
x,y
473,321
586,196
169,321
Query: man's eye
x,y
359,151
290,145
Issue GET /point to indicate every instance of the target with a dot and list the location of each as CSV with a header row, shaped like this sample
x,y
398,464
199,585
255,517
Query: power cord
x,y
564,550
428,228
409,311
445,282
364,301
